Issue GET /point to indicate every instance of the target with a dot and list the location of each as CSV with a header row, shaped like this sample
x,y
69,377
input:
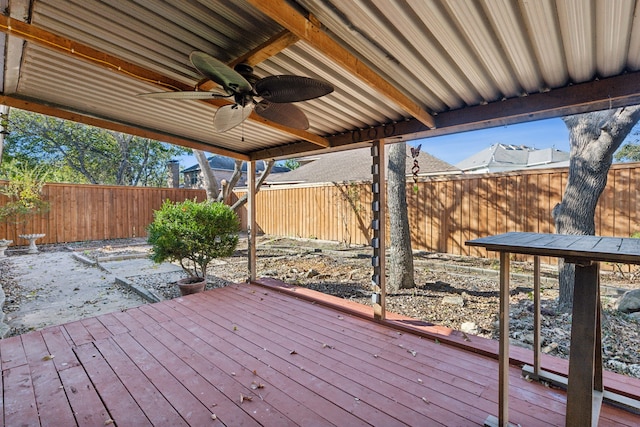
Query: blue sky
x,y
455,148
539,134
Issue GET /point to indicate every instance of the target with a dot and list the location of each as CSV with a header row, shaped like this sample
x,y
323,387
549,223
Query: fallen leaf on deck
x,y
424,399
48,357
243,398
327,346
413,352
256,385
214,417
293,352
109,422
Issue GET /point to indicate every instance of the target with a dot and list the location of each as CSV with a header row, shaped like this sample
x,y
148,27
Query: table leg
x,y
503,375
585,342
536,316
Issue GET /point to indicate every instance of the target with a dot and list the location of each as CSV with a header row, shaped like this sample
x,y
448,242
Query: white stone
x,y
453,300
469,328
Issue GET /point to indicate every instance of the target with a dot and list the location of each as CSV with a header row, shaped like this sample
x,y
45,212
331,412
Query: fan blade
x,y
291,88
189,94
284,114
220,73
229,116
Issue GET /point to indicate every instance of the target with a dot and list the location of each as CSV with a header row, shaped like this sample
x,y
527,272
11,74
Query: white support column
x,y
379,208
251,219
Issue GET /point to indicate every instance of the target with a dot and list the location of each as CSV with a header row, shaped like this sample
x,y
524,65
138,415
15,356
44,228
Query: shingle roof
x,y
354,165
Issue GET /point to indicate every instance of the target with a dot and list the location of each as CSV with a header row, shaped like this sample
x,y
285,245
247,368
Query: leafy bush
x,y
23,191
193,234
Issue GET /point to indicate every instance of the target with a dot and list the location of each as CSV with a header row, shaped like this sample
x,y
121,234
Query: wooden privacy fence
x,y
94,212
445,212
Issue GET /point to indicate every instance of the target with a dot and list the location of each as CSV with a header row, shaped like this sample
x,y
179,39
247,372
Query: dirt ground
x,y
53,287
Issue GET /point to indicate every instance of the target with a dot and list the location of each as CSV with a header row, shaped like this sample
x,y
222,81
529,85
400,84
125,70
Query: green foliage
x,y
24,192
628,153
79,153
197,232
291,164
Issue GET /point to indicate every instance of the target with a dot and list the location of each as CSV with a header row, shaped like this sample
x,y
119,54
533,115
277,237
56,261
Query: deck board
x,y
181,361
108,384
49,394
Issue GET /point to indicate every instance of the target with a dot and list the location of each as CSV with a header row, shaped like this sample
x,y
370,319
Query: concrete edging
x,y
147,294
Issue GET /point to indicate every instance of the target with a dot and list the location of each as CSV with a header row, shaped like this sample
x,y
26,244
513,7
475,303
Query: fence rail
x,y
443,212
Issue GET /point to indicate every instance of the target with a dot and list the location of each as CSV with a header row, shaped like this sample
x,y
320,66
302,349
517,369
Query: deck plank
x,y
192,410
59,345
124,410
156,407
443,397
78,333
113,324
279,388
363,388
20,406
96,328
49,393
245,357
12,353
180,361
87,406
238,370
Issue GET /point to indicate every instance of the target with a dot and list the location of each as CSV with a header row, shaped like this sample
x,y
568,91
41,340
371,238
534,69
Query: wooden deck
x,y
252,355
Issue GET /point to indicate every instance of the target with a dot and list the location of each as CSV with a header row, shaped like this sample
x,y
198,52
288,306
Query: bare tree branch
x,y
263,176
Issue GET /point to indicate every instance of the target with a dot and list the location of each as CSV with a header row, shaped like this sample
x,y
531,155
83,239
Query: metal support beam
x,y
378,225
251,219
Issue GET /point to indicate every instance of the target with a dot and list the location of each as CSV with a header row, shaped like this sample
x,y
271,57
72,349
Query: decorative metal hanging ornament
x,y
415,152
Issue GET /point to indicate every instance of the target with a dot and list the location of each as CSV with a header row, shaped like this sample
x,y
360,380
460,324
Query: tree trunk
x,y
227,188
209,180
400,255
593,138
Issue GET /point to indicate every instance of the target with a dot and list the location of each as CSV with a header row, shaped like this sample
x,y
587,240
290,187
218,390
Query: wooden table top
x,y
588,248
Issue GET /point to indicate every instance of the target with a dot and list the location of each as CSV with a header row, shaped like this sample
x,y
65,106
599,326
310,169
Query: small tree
x,y
193,234
24,193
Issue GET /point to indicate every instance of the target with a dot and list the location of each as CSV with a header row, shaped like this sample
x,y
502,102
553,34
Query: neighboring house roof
x,y
506,157
353,165
227,163
223,168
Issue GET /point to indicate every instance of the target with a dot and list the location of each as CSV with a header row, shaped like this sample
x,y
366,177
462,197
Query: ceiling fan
x,y
270,97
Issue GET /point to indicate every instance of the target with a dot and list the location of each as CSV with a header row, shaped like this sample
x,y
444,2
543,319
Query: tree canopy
x,y
73,152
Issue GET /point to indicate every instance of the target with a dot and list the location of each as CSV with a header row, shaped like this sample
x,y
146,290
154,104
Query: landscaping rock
x,y
469,328
453,300
629,302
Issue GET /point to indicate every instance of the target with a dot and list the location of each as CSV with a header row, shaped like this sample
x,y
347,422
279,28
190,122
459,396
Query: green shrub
x,y
193,234
23,191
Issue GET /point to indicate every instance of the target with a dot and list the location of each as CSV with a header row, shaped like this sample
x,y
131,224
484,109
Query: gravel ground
x,y
458,292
